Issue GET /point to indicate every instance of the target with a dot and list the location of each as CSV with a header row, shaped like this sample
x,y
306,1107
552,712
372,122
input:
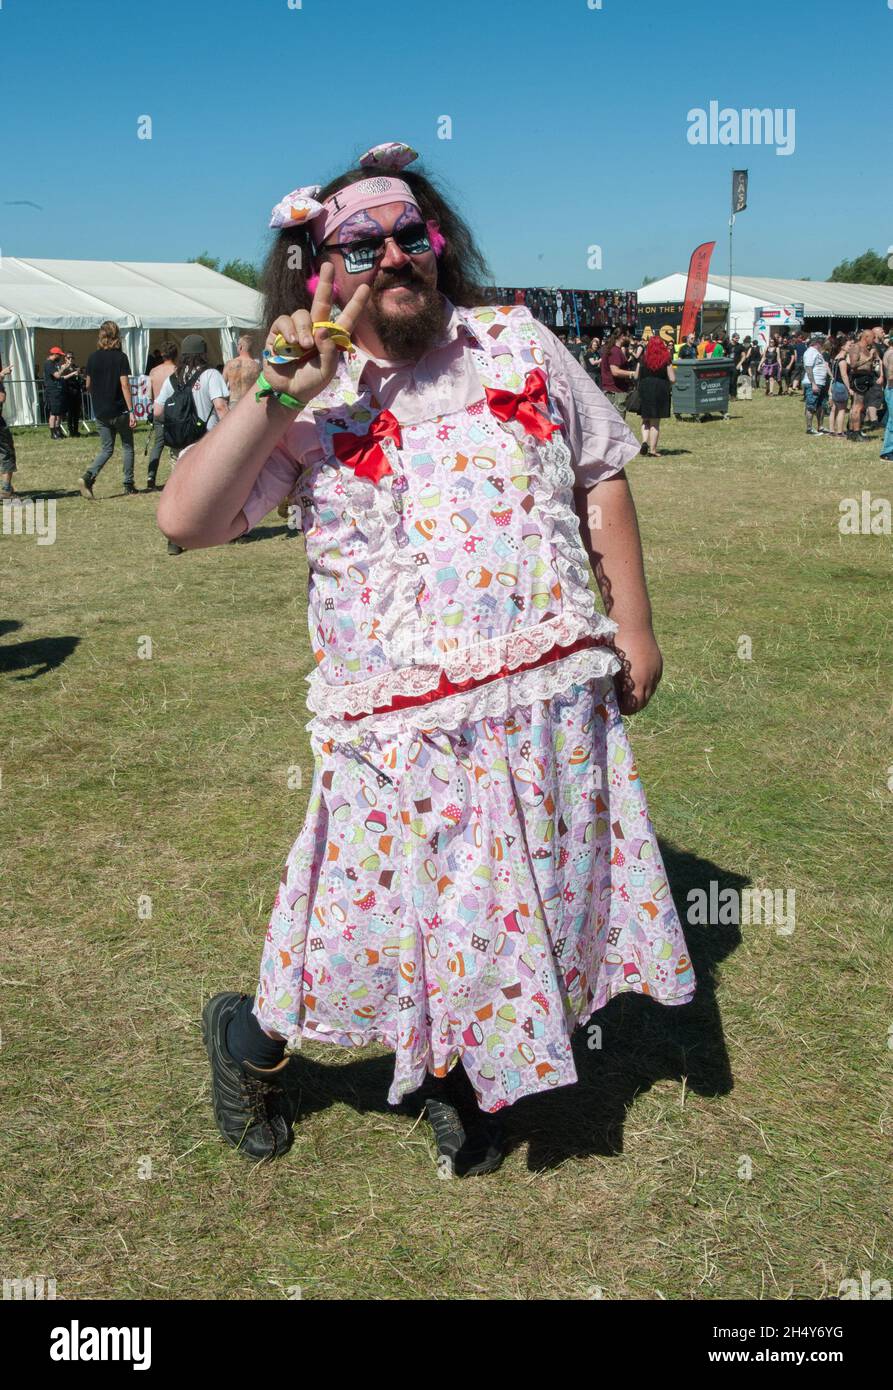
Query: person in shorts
x,y
863,372
874,396
617,373
815,383
840,385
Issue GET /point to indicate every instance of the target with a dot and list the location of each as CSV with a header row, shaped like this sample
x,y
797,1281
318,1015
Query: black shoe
x,y
174,549
85,488
469,1142
449,1133
130,490
485,1147
152,486
253,1110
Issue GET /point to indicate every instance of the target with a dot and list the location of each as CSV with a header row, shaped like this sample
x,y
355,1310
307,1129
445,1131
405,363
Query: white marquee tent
x,y
45,304
821,299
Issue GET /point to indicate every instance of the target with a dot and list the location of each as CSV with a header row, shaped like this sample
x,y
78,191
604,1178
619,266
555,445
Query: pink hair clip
x,y
393,155
297,208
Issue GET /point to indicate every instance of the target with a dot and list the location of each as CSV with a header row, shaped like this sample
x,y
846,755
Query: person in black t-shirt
x,y
55,369
74,382
108,381
7,447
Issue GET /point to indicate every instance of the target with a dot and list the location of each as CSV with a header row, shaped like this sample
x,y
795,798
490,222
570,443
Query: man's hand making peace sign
x,y
308,376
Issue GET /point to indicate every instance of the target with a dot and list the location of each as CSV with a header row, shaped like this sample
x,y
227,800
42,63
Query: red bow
x,y
363,452
505,405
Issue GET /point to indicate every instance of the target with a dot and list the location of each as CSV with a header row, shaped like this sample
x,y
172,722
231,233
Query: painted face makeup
x,y
362,241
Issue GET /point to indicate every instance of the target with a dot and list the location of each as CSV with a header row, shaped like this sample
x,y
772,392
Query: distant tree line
x,y
867,269
243,271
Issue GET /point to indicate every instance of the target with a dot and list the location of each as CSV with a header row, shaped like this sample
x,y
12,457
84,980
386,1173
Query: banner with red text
x,y
696,286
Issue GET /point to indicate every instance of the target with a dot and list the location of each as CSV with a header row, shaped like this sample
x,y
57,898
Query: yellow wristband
x,y
340,336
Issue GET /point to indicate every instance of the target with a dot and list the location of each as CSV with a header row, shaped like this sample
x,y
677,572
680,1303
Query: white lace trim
x,y
470,661
493,701
553,493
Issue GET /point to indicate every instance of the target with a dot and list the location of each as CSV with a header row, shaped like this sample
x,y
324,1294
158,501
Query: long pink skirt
x,y
472,894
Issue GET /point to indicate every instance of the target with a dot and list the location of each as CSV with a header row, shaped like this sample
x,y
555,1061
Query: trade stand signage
x,y
663,319
767,320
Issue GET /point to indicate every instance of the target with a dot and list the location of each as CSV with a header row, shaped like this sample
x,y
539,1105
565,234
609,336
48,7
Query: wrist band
x,y
281,396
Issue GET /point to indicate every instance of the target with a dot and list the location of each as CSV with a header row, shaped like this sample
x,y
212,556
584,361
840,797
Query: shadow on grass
x,y
48,493
641,1043
266,533
45,653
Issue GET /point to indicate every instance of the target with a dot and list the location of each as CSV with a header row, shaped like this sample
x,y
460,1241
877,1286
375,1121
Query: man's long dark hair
x,y
191,365
462,272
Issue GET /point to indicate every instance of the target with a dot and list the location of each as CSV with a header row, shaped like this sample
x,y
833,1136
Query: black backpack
x,y
182,425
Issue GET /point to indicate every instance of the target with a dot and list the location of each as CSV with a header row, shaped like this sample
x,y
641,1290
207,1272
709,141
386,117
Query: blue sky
x,y
569,125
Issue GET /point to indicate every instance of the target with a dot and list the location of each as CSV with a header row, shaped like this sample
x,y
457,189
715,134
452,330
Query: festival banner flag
x,y
739,190
696,286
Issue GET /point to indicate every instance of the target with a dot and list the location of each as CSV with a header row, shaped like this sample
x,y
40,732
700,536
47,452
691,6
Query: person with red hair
x,y
656,376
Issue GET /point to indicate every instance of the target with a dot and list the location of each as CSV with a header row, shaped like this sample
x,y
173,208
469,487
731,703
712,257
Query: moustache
x,y
391,279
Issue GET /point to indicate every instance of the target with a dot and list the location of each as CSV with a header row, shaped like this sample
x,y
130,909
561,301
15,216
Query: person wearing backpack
x,y
191,402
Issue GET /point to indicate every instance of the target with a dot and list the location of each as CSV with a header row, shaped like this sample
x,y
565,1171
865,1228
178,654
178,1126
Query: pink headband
x,y
301,208
368,193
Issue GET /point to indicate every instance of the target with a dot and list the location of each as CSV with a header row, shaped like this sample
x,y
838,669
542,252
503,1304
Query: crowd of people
x,y
846,378
108,378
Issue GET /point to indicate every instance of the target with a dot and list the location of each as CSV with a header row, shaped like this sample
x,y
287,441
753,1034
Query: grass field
x,y
737,1148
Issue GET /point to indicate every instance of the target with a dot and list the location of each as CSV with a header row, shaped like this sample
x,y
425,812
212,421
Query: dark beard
x,y
408,335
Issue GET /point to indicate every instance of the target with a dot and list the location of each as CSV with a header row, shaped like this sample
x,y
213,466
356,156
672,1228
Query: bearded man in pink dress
x,y
477,873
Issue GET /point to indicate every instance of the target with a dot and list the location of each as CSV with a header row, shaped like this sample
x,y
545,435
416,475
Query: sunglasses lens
x,y
413,240
360,258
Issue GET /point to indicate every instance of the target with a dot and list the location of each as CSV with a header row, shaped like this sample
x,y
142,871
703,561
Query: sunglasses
x,y
360,256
